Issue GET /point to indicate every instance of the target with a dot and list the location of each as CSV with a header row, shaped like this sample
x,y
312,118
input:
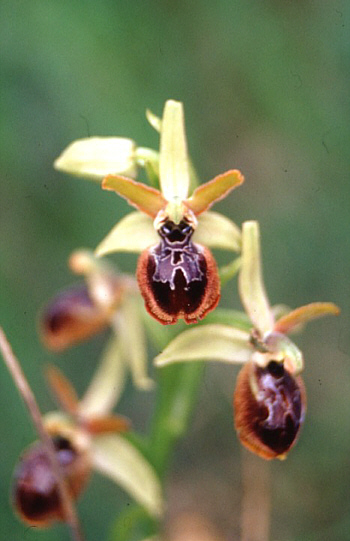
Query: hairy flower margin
x,y
177,275
270,399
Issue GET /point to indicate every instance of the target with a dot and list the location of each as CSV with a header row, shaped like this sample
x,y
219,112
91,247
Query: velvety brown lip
x,y
268,420
178,278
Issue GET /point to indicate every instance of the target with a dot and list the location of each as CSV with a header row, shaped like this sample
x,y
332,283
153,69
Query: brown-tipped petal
x,y
35,492
299,316
137,194
209,193
63,390
269,406
178,278
107,424
70,318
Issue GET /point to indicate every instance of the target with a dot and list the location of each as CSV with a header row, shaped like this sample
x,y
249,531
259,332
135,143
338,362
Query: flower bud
x,y
35,491
269,405
178,278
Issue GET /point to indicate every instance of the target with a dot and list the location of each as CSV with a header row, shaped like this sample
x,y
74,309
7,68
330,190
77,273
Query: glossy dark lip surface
x,y
177,277
35,490
268,420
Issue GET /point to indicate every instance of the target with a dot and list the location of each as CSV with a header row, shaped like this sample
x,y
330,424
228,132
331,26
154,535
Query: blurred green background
x,y
266,89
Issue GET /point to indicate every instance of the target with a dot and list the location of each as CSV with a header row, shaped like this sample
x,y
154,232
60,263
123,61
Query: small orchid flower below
x,y
177,276
85,438
270,399
106,299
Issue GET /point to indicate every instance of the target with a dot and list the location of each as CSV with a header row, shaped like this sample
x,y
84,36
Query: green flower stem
x,y
178,389
133,523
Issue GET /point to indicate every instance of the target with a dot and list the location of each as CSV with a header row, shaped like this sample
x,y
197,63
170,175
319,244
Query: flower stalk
x,y
21,382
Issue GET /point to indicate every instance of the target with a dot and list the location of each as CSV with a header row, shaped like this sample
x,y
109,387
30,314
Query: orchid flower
x,y
85,437
107,298
177,276
269,400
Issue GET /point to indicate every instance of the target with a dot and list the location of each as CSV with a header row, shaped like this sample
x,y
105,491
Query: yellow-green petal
x,y
251,286
173,160
107,383
133,233
133,341
96,157
217,231
119,460
207,194
208,343
137,194
154,120
303,314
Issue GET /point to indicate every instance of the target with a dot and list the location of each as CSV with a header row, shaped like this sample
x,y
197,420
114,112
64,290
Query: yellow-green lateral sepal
x,y
208,342
133,341
107,383
173,160
141,196
216,231
251,286
133,233
96,157
207,194
299,316
119,460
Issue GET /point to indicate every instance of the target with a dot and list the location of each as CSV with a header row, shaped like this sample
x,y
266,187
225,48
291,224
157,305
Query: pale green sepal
x,y
134,233
303,314
208,342
251,286
119,460
107,383
154,120
133,341
207,194
173,160
216,231
96,157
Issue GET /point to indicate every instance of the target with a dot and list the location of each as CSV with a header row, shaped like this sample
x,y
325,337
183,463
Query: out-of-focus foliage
x,y
266,89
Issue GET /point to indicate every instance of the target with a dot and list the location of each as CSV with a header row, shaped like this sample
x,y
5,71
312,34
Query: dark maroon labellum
x,y
269,409
36,497
71,317
178,278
